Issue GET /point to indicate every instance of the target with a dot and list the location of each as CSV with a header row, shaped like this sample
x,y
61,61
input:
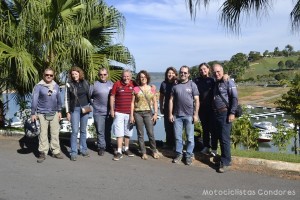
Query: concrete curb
x,y
272,164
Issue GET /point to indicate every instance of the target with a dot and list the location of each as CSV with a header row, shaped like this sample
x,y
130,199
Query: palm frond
x,y
295,16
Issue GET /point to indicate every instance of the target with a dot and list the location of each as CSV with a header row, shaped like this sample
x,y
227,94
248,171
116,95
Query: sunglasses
x,y
102,74
183,73
51,75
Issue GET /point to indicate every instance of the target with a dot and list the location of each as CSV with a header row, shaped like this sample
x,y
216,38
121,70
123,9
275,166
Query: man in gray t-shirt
x,y
183,112
100,93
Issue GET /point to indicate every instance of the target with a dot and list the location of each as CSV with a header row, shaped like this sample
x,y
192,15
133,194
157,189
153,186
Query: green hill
x,y
264,65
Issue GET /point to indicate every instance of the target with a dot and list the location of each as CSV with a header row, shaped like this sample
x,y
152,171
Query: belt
x,y
220,110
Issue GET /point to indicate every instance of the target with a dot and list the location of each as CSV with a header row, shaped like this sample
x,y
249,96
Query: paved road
x,y
96,178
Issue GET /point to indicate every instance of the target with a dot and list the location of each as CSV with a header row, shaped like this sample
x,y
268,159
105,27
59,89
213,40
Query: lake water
x,y
159,128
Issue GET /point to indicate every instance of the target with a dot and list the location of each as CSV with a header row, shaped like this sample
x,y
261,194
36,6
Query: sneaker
x,y
223,168
58,156
73,158
118,156
177,159
188,161
41,157
86,154
101,152
144,157
128,153
213,153
205,150
155,155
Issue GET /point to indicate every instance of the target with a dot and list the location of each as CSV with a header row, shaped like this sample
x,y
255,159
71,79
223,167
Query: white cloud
x,y
161,33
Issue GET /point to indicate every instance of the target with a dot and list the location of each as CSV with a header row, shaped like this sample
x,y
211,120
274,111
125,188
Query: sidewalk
x,y
200,160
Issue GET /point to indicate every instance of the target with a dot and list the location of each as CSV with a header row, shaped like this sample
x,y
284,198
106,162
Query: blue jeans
x,y
222,131
78,121
186,122
143,118
103,125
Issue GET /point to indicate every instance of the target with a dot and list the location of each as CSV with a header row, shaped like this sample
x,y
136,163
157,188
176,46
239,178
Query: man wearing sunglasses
x,y
103,121
46,107
183,112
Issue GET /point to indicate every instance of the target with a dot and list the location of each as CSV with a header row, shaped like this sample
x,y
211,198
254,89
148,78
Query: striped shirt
x,y
123,96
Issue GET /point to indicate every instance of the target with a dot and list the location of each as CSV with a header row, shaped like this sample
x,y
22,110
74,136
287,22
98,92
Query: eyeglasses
x,y
102,74
183,72
51,75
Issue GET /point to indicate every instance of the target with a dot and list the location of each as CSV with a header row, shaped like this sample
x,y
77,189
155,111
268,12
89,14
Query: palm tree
x,y
58,33
231,11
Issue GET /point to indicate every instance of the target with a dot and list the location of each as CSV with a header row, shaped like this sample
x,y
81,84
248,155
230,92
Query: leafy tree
x,y
290,103
233,10
289,64
266,53
244,133
289,49
237,65
276,51
58,33
254,55
281,76
280,64
283,137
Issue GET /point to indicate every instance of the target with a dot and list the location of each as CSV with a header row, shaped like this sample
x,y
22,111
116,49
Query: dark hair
x,y
206,65
138,77
77,69
167,70
184,66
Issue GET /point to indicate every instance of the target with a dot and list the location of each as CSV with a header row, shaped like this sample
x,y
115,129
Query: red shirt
x,y
123,96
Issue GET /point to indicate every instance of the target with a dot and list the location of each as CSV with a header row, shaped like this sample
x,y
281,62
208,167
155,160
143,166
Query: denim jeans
x,y
78,123
185,122
222,130
103,125
144,118
209,137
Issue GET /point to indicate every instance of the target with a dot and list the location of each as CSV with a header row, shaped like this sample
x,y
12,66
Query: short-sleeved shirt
x,y
141,103
123,96
100,94
166,88
183,98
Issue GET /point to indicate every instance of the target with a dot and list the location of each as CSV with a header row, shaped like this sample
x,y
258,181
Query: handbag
x,y
86,109
152,113
239,109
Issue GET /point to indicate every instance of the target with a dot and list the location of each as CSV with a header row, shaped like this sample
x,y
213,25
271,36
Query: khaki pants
x,y
54,134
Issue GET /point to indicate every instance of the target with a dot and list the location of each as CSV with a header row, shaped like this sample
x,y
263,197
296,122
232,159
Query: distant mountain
x,y
157,76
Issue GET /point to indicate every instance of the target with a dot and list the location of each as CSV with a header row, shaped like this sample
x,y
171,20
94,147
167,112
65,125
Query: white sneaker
x,y
205,150
213,153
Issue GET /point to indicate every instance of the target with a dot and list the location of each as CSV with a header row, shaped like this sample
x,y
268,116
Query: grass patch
x,y
266,155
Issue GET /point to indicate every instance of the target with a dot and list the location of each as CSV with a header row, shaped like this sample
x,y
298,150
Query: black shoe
x,y
223,168
41,157
177,159
86,154
118,156
189,161
128,153
101,152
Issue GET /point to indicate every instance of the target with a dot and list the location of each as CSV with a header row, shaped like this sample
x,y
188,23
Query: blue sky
x,y
160,33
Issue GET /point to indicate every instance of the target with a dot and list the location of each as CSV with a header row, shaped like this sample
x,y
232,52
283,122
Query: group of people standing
x,y
120,105
211,97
